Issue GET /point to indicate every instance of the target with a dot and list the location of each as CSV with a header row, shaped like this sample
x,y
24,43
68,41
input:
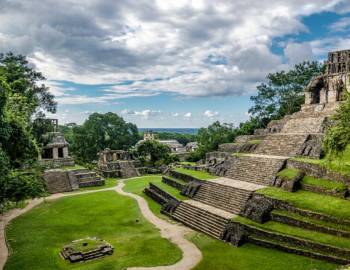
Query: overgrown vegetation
x,y
22,100
288,173
324,183
323,204
154,153
338,136
197,174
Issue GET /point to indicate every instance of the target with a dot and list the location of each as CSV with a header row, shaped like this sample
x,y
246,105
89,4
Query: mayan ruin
x,y
175,135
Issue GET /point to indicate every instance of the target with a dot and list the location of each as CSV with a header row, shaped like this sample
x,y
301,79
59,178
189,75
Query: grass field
x,y
312,201
198,174
221,256
37,237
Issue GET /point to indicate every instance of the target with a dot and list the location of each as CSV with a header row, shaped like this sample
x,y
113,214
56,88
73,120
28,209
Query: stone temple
x,y
253,162
328,88
55,153
118,163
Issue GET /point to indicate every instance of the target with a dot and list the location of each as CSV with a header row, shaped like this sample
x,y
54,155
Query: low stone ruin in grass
x,y
86,249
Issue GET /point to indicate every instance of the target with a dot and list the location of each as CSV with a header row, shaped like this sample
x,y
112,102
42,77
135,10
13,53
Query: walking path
x,y
191,255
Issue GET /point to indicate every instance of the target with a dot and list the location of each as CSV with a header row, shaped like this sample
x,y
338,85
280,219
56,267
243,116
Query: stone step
x,y
281,144
269,243
306,125
224,197
201,217
259,170
309,223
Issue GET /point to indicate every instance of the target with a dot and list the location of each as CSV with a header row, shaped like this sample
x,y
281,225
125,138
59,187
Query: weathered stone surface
x,y
258,208
57,181
191,189
118,163
287,184
235,234
317,171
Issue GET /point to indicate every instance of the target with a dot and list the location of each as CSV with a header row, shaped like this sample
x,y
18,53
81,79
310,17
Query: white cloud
x,y
175,114
298,52
341,25
193,48
187,116
210,114
145,114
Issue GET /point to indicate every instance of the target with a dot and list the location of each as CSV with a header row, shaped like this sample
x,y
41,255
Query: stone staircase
x,y
230,199
128,169
307,125
86,178
281,144
201,217
255,169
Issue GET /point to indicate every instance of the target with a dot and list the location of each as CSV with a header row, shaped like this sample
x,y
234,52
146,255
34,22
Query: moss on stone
x,y
288,173
326,184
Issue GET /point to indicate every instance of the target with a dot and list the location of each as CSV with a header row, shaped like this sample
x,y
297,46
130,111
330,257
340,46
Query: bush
x,y
338,136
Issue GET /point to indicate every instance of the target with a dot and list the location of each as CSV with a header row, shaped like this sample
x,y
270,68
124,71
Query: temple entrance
x,y
315,96
60,152
47,154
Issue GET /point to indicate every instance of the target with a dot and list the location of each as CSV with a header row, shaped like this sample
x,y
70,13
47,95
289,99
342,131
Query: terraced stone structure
x,y
86,249
118,163
237,208
62,180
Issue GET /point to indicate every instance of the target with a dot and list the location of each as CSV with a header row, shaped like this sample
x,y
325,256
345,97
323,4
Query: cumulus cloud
x,y
341,25
187,116
298,52
210,114
193,48
145,114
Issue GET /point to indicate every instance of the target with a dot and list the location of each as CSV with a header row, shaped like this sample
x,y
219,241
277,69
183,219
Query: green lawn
x,y
314,236
218,255
36,237
318,222
328,205
288,173
137,186
197,174
324,183
340,163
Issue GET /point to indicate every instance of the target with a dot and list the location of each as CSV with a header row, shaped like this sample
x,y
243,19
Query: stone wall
x,y
58,181
317,171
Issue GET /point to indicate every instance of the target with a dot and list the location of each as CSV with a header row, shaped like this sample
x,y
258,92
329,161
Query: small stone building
x,y
118,163
55,153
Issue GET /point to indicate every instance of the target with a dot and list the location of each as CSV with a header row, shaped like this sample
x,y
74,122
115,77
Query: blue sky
x,y
168,63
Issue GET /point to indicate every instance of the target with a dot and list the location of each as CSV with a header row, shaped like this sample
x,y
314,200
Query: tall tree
x,y
283,94
25,84
209,138
102,131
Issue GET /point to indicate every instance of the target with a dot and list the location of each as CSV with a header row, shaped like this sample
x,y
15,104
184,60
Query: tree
x,y
209,138
23,82
102,131
283,93
338,135
153,153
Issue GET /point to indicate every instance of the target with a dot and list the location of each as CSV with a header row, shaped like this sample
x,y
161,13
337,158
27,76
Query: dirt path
x,y
191,255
